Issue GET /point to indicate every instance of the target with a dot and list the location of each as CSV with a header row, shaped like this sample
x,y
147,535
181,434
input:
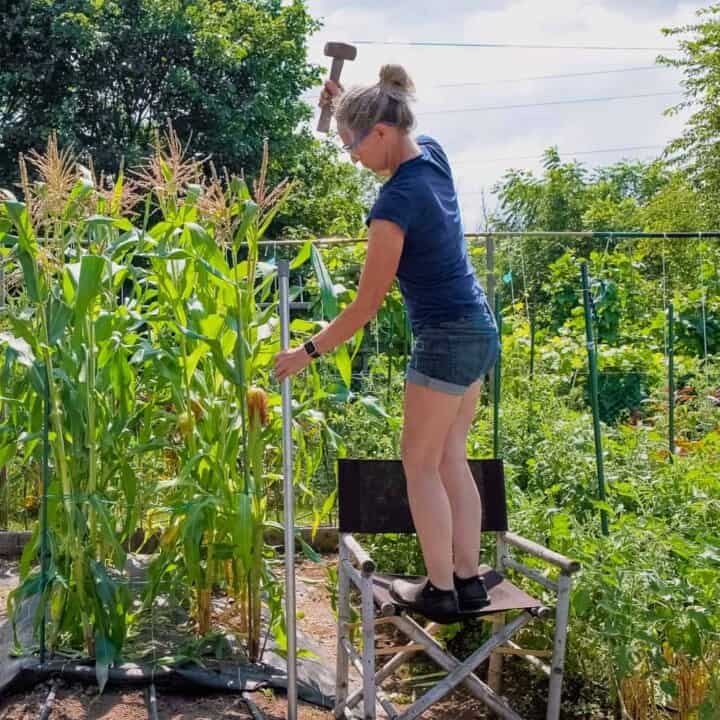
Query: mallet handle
x,y
326,114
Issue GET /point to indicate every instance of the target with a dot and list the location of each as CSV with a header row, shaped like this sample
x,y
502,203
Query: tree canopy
x,y
697,150
106,74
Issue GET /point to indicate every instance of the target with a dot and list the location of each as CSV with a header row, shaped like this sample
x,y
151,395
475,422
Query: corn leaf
x,y
89,283
327,290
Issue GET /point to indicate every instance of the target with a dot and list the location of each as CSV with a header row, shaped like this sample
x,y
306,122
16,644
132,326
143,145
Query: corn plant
x,y
212,344
149,334
73,347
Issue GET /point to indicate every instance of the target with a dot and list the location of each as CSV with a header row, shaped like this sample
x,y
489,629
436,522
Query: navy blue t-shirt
x,y
436,278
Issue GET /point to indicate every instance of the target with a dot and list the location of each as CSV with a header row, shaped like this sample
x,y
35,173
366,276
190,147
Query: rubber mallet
x,y
339,52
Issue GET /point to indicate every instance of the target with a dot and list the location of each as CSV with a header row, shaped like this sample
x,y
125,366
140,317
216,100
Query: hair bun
x,y
395,78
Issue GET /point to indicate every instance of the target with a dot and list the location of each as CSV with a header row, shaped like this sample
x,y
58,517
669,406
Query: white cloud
x,y
474,140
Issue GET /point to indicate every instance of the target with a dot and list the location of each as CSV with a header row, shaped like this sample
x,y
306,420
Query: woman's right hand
x,y
330,91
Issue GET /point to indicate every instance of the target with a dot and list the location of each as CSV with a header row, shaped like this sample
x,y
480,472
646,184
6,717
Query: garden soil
x,y
316,620
315,673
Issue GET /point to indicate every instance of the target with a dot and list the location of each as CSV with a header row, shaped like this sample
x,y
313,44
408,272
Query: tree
x,y
106,74
697,150
331,196
555,202
568,197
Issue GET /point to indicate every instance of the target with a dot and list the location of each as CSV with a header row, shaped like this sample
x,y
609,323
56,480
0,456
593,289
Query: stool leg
x,y
343,607
496,659
368,632
557,665
495,664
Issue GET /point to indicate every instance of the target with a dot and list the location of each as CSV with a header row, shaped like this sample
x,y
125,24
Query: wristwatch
x,y
311,350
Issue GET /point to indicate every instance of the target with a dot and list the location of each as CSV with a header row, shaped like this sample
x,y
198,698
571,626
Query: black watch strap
x,y
311,350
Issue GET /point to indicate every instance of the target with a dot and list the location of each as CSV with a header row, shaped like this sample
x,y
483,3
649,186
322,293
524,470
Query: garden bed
x,y
325,539
316,620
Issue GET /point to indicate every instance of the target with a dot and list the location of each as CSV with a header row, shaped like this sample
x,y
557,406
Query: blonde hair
x,y
388,101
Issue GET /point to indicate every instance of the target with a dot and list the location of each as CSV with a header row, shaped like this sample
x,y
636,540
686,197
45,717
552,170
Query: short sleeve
x,y
395,203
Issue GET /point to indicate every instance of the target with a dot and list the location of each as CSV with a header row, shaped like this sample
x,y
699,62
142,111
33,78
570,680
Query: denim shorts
x,y
450,355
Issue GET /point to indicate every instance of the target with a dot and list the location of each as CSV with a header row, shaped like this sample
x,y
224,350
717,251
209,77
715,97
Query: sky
x,y
484,143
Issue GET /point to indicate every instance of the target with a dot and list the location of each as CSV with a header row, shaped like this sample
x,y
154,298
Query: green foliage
x,y
331,197
696,150
154,343
626,196
645,594
107,75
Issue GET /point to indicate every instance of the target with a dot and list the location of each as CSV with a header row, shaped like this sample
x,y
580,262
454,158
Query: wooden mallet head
x,y
339,52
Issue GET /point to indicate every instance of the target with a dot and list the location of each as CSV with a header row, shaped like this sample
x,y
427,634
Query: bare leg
x,y
429,414
460,487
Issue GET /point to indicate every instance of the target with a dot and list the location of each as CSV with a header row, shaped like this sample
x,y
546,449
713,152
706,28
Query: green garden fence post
x,y
490,291
592,365
532,345
4,490
671,380
496,383
389,351
43,513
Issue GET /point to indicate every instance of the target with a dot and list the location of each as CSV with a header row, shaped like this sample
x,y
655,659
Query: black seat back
x,y
372,497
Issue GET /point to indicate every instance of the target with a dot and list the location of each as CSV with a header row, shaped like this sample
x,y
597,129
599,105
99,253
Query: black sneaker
x,y
471,592
423,597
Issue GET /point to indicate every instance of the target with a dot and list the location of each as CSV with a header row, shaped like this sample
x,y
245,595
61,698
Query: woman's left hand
x,y
291,362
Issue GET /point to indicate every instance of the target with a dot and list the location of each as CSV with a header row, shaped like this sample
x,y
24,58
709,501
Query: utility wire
x,y
552,77
627,148
549,103
533,77
506,45
464,193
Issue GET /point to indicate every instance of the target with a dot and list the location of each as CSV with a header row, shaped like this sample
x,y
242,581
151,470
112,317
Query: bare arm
x,y
385,244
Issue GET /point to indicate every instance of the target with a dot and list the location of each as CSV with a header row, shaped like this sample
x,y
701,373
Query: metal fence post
x,y
289,499
490,289
496,377
43,514
671,380
592,366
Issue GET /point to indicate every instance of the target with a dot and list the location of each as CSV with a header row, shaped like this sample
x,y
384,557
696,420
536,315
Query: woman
x,y
416,233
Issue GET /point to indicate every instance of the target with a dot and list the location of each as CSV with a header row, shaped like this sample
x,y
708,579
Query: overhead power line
x,y
627,148
506,45
609,98
505,81
538,155
552,77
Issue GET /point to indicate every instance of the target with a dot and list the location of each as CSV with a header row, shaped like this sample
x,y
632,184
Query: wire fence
x,y
610,365
634,352
541,303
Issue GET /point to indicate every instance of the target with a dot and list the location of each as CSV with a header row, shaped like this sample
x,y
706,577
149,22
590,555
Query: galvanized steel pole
x,y
289,498
43,514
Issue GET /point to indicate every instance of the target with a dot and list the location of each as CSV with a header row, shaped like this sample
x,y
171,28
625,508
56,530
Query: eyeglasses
x,y
351,147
